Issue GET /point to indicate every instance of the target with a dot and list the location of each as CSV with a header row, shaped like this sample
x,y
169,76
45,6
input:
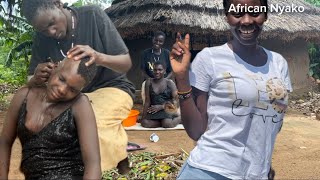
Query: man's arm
x,y
118,63
115,55
41,74
143,66
40,66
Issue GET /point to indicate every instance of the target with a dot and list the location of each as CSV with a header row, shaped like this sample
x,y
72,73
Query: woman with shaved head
x,y
56,126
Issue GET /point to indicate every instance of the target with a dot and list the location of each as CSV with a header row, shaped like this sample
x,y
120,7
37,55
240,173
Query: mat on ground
x,y
138,127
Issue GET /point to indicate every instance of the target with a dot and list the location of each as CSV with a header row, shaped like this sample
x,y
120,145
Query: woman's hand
x,y
43,72
155,108
180,57
81,51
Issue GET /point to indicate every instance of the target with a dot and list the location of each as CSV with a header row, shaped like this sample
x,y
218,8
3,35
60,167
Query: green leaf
x,y
148,175
78,3
162,175
311,72
165,168
314,65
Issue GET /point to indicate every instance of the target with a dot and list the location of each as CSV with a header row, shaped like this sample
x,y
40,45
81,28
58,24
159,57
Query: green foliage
x,y
314,54
314,2
15,39
10,79
17,35
15,42
314,51
15,75
13,72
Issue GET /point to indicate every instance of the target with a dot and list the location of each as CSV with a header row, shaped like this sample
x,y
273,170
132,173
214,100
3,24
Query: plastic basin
x,y
131,120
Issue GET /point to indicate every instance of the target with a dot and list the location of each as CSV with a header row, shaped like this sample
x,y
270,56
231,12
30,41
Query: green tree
x,y
314,2
314,51
314,54
15,41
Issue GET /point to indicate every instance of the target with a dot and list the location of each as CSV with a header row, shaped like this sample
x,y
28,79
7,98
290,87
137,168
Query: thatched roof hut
x,y
287,33
135,18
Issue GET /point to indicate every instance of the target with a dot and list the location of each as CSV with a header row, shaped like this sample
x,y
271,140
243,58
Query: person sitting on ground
x,y
152,55
160,107
56,126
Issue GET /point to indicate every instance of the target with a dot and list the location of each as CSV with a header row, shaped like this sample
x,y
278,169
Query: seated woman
x,y
160,107
56,127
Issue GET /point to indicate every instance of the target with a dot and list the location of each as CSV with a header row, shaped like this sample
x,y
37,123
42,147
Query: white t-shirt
x,y
246,107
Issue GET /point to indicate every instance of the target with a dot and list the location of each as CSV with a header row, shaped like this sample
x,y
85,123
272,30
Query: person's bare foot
x,y
123,166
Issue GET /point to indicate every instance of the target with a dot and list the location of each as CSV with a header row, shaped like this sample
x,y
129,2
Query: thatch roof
x,y
135,18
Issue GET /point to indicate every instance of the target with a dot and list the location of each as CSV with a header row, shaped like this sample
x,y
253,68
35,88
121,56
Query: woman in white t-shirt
x,y
240,94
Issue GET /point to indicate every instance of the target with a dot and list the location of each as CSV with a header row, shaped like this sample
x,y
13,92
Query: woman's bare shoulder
x,y
81,100
21,92
170,82
19,97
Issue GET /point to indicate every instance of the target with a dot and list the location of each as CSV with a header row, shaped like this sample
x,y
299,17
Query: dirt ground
x,y
296,154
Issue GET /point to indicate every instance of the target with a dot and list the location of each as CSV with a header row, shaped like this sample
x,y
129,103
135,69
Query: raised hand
x,y
180,57
43,72
81,51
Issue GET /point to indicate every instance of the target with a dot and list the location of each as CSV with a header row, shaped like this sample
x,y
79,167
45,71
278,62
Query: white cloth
x,y
246,107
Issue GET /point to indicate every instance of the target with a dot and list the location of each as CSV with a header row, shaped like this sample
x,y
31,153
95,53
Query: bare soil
x,y
296,154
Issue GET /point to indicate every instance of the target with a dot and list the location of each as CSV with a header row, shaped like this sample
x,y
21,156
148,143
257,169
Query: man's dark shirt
x,y
95,29
149,58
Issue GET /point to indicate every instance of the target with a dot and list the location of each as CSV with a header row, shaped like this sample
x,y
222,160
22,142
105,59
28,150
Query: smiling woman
x,y
56,126
240,94
160,98
69,78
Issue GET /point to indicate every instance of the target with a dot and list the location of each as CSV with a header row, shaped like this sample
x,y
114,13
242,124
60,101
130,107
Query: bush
x,y
10,79
314,54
